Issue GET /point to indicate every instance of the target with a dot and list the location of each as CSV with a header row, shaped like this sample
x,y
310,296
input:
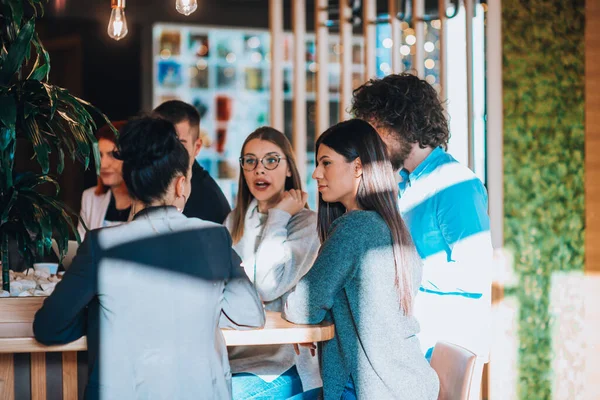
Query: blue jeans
x,y
249,386
349,392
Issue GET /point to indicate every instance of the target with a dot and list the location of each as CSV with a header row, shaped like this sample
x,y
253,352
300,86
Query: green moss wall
x,y
543,78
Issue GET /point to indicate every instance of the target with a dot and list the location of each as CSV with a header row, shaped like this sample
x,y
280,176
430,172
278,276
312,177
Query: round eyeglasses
x,y
269,161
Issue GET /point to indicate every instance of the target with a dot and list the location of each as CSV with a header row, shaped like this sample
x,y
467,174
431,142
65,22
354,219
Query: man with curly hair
x,y
444,205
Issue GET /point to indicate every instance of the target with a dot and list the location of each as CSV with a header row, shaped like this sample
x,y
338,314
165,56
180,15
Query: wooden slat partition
x,y
396,37
370,35
494,123
443,38
469,12
592,135
69,375
38,376
346,60
322,44
419,27
299,100
276,29
7,377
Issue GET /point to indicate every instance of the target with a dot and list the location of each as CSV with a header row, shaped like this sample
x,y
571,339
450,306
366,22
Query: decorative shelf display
x,y
225,74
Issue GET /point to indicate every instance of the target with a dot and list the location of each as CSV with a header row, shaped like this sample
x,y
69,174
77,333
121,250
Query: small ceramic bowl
x,y
50,268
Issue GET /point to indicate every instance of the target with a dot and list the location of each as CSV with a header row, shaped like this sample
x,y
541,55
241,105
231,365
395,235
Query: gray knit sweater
x,y
352,283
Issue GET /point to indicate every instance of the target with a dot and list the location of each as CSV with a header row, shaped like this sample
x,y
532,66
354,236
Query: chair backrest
x,y
459,372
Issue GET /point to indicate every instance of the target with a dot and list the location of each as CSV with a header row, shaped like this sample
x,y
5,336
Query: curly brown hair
x,y
405,104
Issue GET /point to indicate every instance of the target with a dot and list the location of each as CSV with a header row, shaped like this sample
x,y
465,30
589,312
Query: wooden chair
x,y
459,370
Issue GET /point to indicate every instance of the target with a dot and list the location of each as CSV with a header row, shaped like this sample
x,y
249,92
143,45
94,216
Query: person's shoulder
x,y
305,215
201,176
359,221
203,182
90,200
303,222
90,193
197,223
453,176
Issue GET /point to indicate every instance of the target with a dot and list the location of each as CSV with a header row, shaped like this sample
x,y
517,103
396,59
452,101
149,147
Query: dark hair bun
x,y
152,156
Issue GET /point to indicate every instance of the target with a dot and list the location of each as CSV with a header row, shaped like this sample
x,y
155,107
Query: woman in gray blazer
x,y
151,294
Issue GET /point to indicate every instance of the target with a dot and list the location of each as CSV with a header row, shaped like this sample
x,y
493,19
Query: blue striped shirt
x,y
445,208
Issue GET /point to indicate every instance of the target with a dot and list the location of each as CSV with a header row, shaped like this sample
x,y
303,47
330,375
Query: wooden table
x,y
16,336
276,331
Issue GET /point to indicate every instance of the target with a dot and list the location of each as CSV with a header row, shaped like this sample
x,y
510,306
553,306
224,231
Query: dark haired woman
x,y
276,236
366,274
108,203
149,294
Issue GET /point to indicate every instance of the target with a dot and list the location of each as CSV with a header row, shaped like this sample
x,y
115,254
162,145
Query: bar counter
x,y
16,336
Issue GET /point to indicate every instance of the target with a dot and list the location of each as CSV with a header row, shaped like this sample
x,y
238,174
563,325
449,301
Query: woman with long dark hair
x,y
275,235
366,275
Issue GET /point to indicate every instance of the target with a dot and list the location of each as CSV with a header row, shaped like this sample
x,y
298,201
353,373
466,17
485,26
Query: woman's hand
x,y
292,201
311,346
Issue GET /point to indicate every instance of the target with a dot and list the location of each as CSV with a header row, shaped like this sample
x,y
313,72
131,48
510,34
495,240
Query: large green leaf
x,y
40,145
7,203
7,135
61,160
30,180
7,158
9,29
52,93
8,111
40,71
17,52
16,8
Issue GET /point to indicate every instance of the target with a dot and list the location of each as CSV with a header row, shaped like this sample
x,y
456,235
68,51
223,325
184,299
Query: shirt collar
x,y
423,166
159,212
253,209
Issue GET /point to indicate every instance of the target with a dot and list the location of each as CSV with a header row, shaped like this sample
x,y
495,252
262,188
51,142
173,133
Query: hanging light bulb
x,y
186,7
117,25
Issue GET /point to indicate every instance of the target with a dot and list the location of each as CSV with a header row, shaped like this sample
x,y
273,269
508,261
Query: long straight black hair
x,y
377,191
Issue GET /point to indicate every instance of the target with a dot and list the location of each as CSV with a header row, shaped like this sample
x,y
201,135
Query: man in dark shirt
x,y
206,201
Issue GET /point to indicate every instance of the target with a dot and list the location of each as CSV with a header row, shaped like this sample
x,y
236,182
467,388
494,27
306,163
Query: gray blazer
x,y
150,295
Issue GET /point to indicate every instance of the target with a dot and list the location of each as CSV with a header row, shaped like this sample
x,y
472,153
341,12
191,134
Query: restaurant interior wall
x,y
117,76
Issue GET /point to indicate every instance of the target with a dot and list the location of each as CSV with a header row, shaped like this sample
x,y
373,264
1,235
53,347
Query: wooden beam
x,y
299,99
322,50
592,136
38,376
370,36
346,60
495,123
7,377
276,29
69,375
469,12
397,66
443,38
419,27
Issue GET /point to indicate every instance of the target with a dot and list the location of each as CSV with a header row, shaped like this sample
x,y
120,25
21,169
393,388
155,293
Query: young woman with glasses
x,y
275,234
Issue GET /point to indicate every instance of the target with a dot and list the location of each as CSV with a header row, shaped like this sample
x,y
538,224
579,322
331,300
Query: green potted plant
x,y
52,121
